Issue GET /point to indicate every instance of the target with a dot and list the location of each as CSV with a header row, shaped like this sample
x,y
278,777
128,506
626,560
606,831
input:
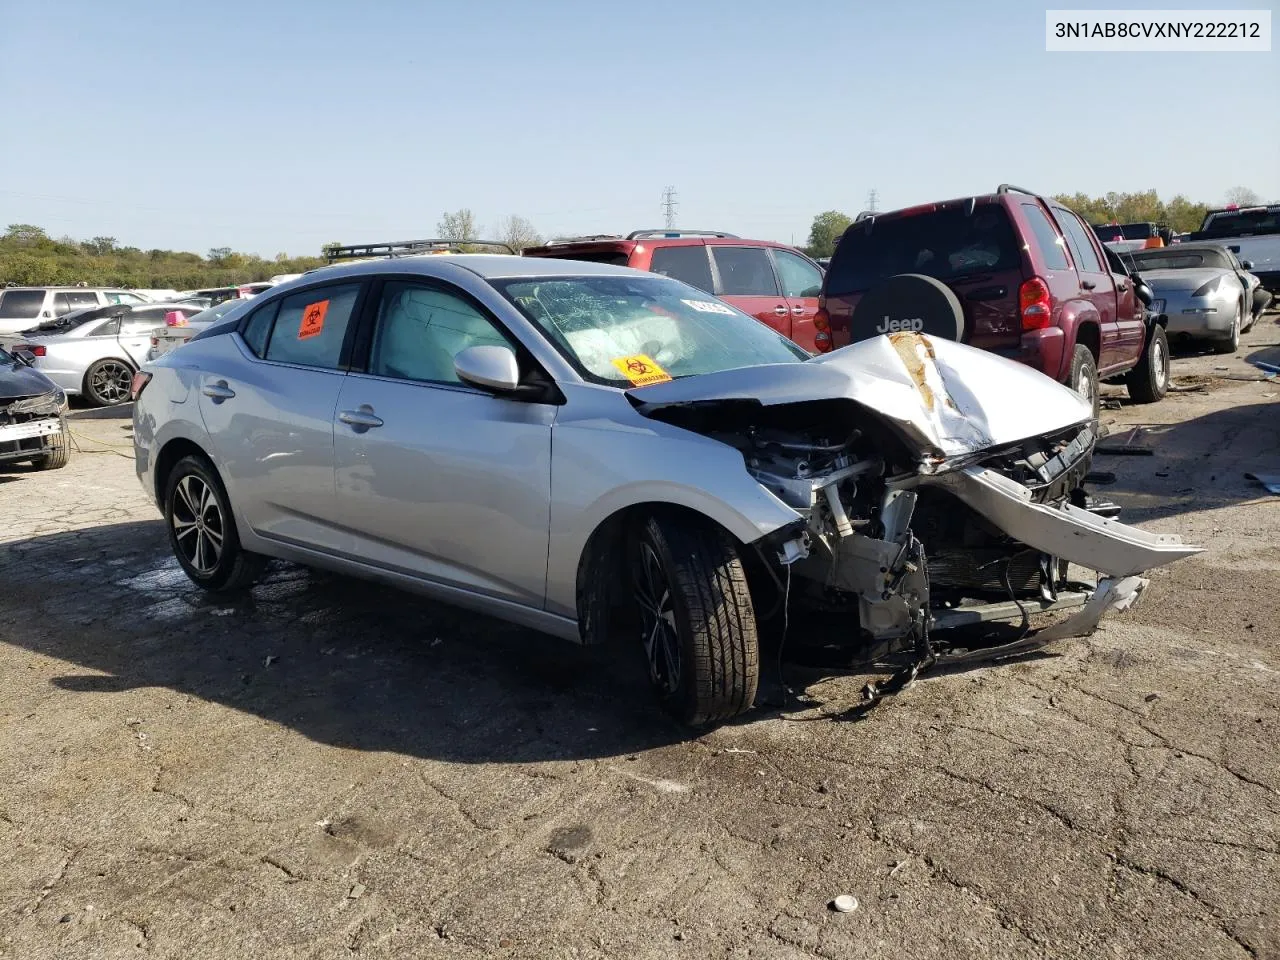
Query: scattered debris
x,y
1110,404
845,903
1125,451
1270,481
898,865
65,918
679,934
271,658
356,891
1271,368
1151,697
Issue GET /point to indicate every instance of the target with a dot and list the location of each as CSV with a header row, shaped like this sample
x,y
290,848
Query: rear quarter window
x,y
944,244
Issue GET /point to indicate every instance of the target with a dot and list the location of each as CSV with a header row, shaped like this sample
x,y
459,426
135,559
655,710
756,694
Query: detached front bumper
x,y
1113,549
31,438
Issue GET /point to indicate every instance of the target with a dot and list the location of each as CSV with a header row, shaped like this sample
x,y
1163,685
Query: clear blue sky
x,y
281,124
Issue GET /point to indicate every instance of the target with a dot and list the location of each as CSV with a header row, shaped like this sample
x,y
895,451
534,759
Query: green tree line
x,y
1179,213
30,257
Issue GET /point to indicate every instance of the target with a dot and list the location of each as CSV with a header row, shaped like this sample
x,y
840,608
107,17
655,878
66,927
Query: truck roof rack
x,y
404,248
1012,188
673,233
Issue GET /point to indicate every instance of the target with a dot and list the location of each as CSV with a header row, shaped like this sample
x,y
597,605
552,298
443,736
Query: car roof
x,y
487,265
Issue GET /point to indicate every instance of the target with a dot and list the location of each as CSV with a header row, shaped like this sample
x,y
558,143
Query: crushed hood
x,y
18,381
948,398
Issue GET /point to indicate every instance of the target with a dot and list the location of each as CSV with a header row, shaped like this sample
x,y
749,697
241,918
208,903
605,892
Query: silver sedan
x,y
589,450
94,352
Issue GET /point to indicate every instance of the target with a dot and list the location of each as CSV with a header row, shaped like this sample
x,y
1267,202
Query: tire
x,y
1232,343
202,529
59,451
1083,378
697,622
1149,380
107,383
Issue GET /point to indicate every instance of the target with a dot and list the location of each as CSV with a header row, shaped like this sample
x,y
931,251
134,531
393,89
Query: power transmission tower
x,y
669,206
871,201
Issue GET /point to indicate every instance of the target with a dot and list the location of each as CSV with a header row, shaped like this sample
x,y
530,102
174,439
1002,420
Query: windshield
x,y
945,244
1243,221
214,312
626,331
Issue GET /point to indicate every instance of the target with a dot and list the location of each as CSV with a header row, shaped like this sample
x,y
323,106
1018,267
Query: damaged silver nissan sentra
x,y
593,451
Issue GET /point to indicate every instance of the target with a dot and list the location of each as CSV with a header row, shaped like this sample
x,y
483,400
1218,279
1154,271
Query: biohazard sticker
x,y
641,370
313,320
709,306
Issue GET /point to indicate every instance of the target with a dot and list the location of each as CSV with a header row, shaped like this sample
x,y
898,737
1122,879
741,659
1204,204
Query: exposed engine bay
x,y
916,516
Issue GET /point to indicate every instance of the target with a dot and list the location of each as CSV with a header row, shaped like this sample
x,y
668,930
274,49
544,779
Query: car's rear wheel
x,y
1083,378
697,622
1149,380
202,529
58,453
108,383
1231,343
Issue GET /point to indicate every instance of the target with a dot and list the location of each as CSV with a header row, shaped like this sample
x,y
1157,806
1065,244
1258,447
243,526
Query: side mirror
x,y
1247,264
26,356
490,367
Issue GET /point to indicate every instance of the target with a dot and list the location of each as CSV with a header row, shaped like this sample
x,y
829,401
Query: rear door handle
x,y
218,391
360,419
780,310
797,311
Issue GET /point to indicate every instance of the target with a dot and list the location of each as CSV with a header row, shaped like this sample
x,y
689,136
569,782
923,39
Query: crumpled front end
x,y
31,425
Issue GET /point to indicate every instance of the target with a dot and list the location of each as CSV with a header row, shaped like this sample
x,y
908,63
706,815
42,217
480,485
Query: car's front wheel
x,y
1149,380
697,623
202,530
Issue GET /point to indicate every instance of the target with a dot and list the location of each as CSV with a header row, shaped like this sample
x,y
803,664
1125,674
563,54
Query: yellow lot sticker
x,y
641,370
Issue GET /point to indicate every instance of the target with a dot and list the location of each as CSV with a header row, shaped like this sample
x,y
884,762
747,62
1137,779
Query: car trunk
x,y
973,250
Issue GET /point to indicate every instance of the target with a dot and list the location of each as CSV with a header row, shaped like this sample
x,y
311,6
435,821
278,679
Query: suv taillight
x,y
1035,304
822,324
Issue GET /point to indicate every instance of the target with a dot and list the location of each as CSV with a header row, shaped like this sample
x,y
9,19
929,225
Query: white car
x,y
25,307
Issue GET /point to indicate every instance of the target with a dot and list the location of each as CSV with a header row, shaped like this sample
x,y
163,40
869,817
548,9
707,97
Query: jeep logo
x,y
898,326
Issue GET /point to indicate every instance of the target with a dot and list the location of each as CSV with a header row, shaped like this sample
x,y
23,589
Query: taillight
x,y
1035,304
822,324
1210,288
140,380
35,349
155,341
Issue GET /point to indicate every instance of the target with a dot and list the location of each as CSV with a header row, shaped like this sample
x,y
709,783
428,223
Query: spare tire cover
x,y
909,302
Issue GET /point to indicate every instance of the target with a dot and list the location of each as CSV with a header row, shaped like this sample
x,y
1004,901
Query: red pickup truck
x,y
1033,281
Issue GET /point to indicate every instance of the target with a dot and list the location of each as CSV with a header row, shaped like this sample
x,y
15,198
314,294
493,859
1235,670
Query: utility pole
x,y
669,206
871,200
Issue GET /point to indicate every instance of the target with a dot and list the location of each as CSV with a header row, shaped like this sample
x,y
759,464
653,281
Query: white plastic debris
x,y
845,903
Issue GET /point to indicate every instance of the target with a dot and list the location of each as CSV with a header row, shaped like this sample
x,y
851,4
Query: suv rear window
x,y
20,304
687,263
944,244
613,258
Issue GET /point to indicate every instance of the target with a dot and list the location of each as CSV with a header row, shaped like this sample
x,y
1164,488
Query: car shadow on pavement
x,y
343,661
1196,465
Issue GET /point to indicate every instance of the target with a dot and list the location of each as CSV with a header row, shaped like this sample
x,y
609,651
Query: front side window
x,y
420,330
799,277
624,331
310,327
744,272
687,263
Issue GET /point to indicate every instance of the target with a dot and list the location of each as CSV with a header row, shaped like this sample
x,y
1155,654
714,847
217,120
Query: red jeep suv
x,y
771,281
1032,279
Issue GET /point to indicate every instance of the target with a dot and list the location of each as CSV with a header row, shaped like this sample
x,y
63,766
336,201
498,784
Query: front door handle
x,y
218,391
360,419
1088,284
780,310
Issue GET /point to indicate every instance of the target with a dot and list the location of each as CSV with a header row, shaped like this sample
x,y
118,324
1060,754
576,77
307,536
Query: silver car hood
x,y
948,398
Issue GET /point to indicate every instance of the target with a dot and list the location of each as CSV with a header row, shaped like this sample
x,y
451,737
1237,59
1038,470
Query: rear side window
x,y
64,303
687,263
745,272
1078,240
20,304
1052,246
944,244
310,326
800,278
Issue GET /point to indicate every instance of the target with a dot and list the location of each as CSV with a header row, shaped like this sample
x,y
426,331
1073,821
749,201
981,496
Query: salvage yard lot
x,y
330,768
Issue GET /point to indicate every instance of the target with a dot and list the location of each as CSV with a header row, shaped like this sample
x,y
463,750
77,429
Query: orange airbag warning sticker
x,y
641,370
313,320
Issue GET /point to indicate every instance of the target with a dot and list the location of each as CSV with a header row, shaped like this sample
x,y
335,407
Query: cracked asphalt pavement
x,y
328,768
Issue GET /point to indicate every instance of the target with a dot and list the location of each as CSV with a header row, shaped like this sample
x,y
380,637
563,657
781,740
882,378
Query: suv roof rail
x,y
675,234
1013,188
404,248
584,239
